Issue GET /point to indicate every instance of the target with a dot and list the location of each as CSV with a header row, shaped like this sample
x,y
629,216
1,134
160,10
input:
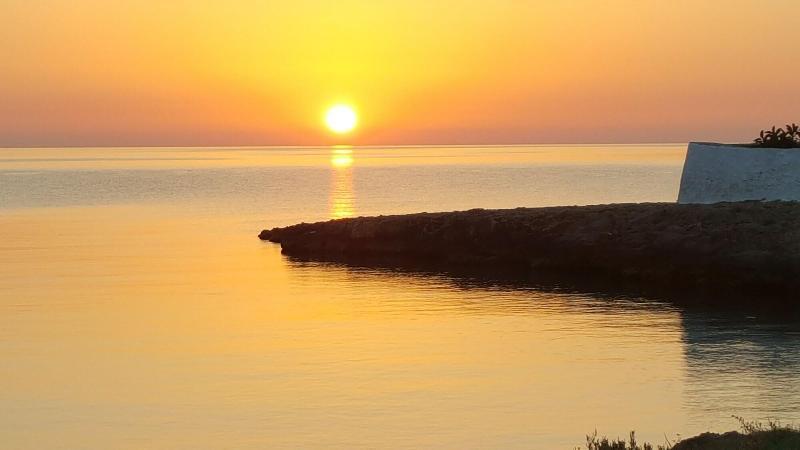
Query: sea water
x,y
138,309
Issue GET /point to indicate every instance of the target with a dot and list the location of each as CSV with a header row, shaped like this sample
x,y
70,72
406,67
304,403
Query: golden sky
x,y
262,72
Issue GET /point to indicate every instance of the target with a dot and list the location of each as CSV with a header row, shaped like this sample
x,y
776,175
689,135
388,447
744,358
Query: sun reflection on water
x,y
342,197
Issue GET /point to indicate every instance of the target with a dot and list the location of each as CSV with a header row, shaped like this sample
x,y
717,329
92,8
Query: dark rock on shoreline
x,y
758,437
777,439
732,245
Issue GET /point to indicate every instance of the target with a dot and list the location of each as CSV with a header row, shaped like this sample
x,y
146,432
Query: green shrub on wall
x,y
779,138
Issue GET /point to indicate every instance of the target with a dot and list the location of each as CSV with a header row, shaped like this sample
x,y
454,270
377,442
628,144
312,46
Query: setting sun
x,y
341,119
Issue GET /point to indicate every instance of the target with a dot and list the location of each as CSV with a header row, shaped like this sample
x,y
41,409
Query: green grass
x,y
596,443
771,435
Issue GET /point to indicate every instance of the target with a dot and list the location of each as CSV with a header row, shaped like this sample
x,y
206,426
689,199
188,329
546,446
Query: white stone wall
x,y
728,173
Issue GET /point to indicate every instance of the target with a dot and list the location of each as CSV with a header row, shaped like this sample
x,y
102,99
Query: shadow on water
x,y
708,301
742,362
741,353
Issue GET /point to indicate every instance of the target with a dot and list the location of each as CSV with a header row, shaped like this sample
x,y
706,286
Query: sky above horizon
x,y
261,72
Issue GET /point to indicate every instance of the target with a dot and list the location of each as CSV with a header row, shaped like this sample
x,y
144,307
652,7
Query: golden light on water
x,y
342,157
342,196
341,119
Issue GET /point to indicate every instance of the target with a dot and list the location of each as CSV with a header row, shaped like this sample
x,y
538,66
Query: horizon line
x,y
375,146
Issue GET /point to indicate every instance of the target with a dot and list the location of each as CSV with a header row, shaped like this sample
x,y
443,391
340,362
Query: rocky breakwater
x,y
735,245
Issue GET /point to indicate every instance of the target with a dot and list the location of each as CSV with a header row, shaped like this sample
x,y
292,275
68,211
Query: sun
x,y
341,119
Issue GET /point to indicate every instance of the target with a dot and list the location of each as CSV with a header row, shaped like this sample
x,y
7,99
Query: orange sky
x,y
260,72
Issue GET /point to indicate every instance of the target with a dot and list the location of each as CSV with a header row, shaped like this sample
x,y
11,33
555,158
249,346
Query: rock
x,y
778,439
735,245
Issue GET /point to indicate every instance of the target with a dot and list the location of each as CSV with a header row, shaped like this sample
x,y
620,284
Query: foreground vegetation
x,y
779,138
753,436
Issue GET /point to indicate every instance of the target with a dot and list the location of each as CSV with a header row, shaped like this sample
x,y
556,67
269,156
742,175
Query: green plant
x,y
595,443
755,435
779,138
756,426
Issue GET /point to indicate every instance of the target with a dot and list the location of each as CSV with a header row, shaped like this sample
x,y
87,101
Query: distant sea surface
x,y
138,309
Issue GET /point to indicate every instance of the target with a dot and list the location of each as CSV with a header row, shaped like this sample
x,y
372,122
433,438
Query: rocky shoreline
x,y
742,245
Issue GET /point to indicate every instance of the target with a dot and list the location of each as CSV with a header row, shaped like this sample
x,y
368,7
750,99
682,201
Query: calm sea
x,y
138,310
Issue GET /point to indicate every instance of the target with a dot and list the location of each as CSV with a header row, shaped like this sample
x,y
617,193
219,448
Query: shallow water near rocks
x,y
140,310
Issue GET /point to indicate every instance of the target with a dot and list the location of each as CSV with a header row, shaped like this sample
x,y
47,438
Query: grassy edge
x,y
754,435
